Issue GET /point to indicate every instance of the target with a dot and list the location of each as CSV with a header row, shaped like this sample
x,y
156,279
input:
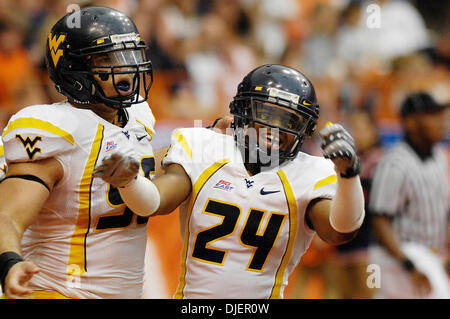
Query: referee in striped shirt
x,y
409,203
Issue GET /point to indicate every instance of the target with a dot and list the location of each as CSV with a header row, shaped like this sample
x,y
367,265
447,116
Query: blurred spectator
x,y
320,46
401,31
352,39
216,64
18,80
180,25
268,19
154,29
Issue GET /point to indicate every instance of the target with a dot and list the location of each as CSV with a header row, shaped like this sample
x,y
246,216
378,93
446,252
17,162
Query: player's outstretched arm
x,y
174,187
22,195
143,196
338,220
221,124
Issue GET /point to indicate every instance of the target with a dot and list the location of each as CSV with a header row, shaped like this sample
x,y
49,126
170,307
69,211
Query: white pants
x,y
395,281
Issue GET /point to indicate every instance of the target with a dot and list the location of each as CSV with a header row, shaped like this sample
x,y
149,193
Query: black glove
x,y
339,146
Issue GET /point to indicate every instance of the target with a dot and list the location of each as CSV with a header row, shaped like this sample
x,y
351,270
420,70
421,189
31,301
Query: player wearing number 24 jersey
x,y
240,229
251,201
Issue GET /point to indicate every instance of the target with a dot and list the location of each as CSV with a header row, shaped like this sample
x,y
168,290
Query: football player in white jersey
x,y
252,201
77,237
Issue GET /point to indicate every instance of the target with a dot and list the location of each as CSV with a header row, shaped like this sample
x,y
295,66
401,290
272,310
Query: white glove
x,y
117,169
138,192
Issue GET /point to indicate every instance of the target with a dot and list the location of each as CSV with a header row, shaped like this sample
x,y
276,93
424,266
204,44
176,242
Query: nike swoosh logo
x,y
139,138
262,192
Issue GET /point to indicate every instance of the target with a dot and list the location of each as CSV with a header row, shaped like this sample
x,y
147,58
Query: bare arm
x,y
143,196
22,199
174,187
318,218
337,221
21,202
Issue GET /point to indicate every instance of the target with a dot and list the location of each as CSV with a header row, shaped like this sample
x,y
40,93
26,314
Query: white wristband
x,y
141,196
347,208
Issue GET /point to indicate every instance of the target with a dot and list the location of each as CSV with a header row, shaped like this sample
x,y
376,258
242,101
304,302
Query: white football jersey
x,y
2,161
243,235
86,241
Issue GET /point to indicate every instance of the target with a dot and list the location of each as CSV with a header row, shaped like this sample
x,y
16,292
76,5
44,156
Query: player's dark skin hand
x,y
222,125
421,283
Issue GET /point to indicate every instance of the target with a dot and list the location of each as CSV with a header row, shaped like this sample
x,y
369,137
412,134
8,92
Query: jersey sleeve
x,y
324,181
180,150
310,178
194,149
37,133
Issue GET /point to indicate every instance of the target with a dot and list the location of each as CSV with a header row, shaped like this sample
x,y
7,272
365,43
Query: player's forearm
x,y
173,192
347,207
21,200
160,196
10,235
10,248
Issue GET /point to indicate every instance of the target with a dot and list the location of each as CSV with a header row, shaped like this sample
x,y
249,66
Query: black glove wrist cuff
x,y
353,171
408,265
7,260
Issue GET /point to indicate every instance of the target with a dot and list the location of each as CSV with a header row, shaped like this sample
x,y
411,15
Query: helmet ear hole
x,y
79,88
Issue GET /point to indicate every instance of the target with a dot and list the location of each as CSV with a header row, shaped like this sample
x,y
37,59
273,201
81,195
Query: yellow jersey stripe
x,y
293,228
40,294
147,129
39,124
195,190
327,180
77,255
180,138
2,151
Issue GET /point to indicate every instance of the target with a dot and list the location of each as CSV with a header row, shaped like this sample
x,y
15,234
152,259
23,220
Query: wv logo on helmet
x,y
53,43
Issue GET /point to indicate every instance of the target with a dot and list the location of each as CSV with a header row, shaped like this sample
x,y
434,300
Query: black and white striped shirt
x,y
414,192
